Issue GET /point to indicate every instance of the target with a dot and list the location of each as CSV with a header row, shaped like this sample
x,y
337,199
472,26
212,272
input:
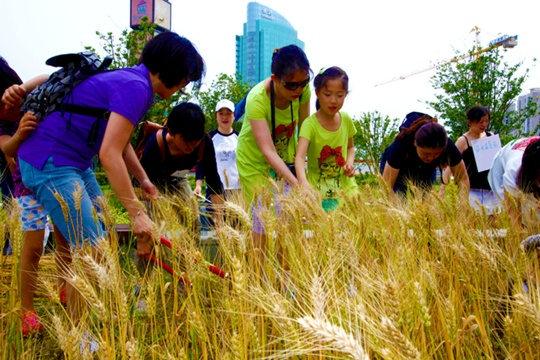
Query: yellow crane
x,y
505,41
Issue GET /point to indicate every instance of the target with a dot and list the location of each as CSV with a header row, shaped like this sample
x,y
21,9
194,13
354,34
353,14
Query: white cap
x,y
225,104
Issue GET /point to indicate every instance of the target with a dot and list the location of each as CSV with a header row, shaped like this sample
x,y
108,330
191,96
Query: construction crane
x,y
505,41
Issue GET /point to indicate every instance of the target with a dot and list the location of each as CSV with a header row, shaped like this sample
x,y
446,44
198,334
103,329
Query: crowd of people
x,y
280,142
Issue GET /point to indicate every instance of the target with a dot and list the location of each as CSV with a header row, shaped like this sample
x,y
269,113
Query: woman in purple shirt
x,y
62,167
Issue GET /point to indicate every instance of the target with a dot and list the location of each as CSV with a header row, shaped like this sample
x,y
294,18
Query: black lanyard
x,y
273,110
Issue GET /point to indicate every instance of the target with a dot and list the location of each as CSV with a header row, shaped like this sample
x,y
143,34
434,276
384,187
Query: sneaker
x,y
63,296
30,323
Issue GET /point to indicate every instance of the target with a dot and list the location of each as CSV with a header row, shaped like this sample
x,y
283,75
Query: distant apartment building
x,y
530,123
264,31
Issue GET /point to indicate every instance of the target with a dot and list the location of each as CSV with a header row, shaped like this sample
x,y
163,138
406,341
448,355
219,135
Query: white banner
x,y
484,150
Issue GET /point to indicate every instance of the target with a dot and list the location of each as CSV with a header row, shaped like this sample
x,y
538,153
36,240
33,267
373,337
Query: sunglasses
x,y
293,85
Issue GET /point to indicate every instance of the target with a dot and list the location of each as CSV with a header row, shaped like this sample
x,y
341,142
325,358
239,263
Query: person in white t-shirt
x,y
516,168
225,140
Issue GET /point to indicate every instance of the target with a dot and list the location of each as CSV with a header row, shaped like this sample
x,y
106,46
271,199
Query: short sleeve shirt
x,y
402,155
326,156
249,158
504,172
65,137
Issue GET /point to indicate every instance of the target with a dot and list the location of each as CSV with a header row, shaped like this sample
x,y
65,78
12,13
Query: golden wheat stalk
x,y
398,340
105,281
424,310
318,298
89,294
68,340
391,297
529,309
236,211
336,335
132,349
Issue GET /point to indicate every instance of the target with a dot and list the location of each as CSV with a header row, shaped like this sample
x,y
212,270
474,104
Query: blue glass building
x,y
264,31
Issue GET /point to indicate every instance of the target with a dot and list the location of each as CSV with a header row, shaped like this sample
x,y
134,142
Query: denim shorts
x,y
33,214
72,211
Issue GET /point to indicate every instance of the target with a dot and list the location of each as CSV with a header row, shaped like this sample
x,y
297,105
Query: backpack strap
x,y
98,113
273,109
161,138
85,110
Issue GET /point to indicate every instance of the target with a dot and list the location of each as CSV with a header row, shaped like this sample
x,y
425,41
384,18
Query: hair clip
x,y
323,70
276,50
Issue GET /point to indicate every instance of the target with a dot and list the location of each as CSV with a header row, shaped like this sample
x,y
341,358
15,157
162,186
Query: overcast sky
x,y
373,41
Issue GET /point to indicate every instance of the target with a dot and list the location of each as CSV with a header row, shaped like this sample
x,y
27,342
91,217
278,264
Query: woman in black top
x,y
480,192
173,151
416,153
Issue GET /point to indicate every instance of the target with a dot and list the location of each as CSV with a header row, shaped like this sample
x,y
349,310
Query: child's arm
x,y
348,169
300,160
13,96
10,161
27,124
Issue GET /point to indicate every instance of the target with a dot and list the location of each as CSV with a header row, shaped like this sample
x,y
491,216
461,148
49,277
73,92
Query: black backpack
x,y
75,68
51,95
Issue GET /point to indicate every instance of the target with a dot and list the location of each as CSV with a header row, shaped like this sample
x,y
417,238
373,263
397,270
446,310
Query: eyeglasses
x,y
293,85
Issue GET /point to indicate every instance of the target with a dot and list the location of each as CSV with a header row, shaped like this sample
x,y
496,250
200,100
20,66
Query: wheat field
x,y
425,278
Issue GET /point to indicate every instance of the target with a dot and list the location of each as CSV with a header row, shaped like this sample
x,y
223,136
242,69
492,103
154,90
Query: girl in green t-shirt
x,y
326,137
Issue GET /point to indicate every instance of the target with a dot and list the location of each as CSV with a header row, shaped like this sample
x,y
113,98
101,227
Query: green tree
x,y
224,87
481,79
374,132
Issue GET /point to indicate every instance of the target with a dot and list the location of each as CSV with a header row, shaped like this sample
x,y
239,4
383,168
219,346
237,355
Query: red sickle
x,y
169,269
213,268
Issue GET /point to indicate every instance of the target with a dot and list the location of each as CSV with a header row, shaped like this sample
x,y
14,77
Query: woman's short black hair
x,y
476,113
289,59
431,135
187,119
174,58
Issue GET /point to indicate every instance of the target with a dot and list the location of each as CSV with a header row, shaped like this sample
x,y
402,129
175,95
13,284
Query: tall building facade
x,y
264,31
530,123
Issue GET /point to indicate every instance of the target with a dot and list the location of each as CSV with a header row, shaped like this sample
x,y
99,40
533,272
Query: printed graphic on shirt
x,y
283,135
331,164
523,143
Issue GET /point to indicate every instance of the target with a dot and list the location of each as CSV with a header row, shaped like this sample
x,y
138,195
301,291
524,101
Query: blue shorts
x,y
33,214
55,187
483,198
